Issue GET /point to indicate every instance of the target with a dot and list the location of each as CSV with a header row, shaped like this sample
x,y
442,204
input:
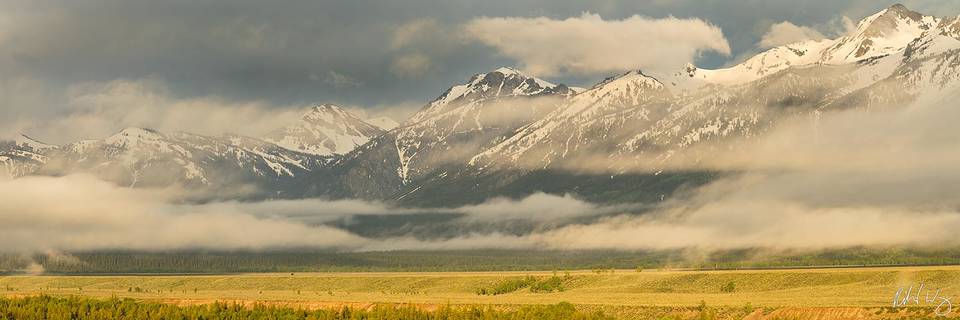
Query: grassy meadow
x,y
628,294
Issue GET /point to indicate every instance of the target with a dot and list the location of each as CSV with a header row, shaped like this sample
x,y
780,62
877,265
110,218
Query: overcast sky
x,y
68,57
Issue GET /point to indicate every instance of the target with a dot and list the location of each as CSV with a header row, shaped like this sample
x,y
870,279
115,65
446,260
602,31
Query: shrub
x,y
729,287
508,286
548,285
46,307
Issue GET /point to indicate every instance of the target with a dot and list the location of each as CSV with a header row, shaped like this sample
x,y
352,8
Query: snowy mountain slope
x,y
601,107
138,157
465,119
22,155
619,123
468,116
886,32
766,63
325,130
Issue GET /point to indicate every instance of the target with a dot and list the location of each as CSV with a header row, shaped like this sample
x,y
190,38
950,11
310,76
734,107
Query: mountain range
x,y
505,133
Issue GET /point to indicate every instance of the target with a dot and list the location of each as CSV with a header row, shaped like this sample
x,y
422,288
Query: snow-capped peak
x,y
630,88
509,71
325,129
133,136
631,77
501,82
884,33
887,19
327,113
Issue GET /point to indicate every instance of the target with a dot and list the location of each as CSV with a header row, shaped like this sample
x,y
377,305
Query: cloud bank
x,y
98,109
784,33
90,214
588,44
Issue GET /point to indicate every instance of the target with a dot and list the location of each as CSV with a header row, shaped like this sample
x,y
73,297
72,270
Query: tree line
x,y
480,260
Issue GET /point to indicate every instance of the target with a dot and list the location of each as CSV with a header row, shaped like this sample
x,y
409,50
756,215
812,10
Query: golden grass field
x,y
622,292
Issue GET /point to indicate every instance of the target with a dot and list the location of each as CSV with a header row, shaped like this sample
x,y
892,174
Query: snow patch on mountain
x,y
766,63
470,116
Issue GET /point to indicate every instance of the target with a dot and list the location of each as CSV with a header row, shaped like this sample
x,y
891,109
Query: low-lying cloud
x,y
96,110
89,214
588,44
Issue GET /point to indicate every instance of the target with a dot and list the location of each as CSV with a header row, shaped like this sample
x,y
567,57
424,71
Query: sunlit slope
x,y
859,287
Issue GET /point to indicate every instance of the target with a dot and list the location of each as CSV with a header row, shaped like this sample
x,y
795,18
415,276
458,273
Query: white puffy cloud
x,y
420,46
588,44
411,65
90,214
785,32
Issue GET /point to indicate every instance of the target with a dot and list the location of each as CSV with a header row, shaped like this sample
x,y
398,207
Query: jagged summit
x,y
501,82
884,33
636,76
509,71
132,136
327,112
891,14
323,107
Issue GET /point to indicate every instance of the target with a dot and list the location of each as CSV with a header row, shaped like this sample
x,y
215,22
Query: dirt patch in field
x,y
814,314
